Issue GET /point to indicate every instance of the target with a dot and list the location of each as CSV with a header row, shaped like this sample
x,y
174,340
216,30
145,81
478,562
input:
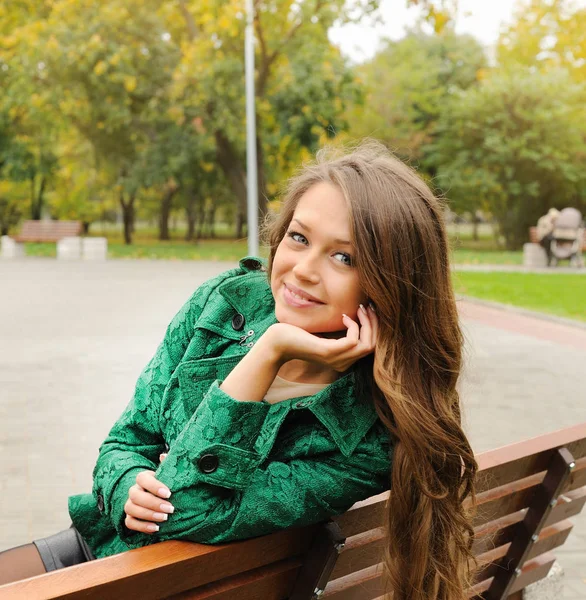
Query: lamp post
x,y
251,171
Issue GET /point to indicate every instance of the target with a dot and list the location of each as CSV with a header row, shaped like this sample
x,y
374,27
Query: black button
x,y
100,503
208,463
238,322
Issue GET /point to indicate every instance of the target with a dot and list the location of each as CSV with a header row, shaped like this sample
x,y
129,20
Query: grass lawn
x,y
563,295
231,250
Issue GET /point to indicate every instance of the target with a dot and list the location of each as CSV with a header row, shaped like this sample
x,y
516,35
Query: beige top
x,y
281,389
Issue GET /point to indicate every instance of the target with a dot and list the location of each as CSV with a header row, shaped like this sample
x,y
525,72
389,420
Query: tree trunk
x,y
190,213
128,216
86,227
201,214
475,221
212,221
166,204
236,175
37,199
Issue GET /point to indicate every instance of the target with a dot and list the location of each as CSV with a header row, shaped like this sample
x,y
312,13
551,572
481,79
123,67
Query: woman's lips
x,y
296,301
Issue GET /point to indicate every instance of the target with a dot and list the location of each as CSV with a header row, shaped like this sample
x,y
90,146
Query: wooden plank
x,y
273,582
361,551
48,231
369,513
365,584
516,461
362,516
533,571
495,559
568,505
513,497
162,569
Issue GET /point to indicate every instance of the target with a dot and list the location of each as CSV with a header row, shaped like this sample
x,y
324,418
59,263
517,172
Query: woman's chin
x,y
310,325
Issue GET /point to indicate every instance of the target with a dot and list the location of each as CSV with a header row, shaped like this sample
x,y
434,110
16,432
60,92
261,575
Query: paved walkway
x,y
74,337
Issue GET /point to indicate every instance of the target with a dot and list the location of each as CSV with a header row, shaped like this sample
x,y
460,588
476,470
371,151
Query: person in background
x,y
545,227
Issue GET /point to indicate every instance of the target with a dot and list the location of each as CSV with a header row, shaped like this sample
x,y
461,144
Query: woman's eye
x,y
346,258
295,236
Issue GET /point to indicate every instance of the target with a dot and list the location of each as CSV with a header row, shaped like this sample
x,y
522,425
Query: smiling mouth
x,y
295,299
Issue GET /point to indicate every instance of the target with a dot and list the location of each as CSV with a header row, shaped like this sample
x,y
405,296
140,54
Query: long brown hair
x,y
402,258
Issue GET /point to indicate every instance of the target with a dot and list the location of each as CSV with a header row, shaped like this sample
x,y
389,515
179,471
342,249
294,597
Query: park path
x,y
74,337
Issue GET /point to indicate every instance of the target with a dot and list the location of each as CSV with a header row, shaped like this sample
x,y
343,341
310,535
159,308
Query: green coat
x,y
236,470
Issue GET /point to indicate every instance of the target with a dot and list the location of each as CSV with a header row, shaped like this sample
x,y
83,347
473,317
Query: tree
x,y
517,146
407,85
100,67
546,34
292,42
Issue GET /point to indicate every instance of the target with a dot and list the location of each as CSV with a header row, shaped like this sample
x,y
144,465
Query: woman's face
x,y
313,278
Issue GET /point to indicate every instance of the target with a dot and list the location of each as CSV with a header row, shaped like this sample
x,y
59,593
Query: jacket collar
x,y
345,413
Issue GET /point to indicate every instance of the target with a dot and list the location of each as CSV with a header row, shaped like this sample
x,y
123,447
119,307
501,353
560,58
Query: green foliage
x,y
408,84
546,34
515,145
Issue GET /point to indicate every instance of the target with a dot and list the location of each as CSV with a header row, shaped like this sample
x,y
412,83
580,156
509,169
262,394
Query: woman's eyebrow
x,y
336,241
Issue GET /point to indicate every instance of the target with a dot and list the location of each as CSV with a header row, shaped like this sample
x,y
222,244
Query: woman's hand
x,y
144,503
290,342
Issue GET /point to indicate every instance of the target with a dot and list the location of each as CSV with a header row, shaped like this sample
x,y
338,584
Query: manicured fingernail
x,y
164,493
371,306
168,508
152,527
362,307
160,516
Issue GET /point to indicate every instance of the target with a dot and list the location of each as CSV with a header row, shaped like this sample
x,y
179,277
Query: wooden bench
x,y
47,231
533,237
526,493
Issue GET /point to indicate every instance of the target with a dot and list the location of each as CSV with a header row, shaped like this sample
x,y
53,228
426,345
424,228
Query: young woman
x,y
281,396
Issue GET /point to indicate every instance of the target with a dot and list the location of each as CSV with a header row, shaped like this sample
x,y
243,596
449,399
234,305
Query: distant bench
x,y
533,237
526,494
47,231
66,234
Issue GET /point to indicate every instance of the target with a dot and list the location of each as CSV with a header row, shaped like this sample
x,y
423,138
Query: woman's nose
x,y
307,269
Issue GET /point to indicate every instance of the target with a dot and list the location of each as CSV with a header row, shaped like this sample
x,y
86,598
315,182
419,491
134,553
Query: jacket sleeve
x,y
135,441
222,489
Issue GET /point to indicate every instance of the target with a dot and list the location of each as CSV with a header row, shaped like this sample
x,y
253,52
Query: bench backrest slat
x,y
180,566
272,582
48,231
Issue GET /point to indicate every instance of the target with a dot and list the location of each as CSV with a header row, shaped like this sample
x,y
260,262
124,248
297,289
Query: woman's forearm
x,y
254,374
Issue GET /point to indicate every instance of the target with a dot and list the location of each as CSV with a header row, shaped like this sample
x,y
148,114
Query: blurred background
x,y
130,117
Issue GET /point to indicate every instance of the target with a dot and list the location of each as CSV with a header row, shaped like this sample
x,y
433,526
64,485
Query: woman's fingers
x,y
137,525
148,501
366,330
145,514
146,480
353,333
145,503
